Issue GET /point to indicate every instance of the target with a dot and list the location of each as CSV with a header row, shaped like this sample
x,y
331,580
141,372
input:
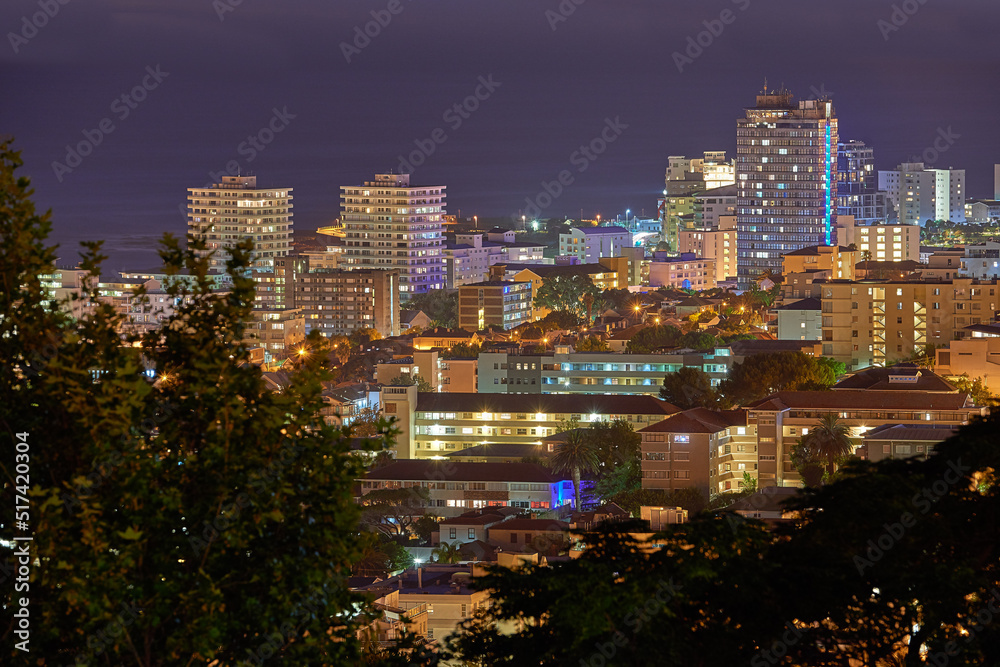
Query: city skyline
x,y
322,122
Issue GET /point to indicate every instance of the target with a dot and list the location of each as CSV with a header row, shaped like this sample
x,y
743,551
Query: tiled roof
x,y
929,433
421,470
500,450
533,525
804,304
699,420
878,378
484,519
863,399
813,250
589,404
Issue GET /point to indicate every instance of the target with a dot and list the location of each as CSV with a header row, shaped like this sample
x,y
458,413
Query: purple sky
x,y
224,79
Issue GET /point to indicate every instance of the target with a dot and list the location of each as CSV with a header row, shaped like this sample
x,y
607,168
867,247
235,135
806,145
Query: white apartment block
x,y
591,244
236,209
886,243
469,259
919,194
391,225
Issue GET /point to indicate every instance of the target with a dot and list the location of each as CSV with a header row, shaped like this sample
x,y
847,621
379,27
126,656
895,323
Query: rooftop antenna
x,y
765,86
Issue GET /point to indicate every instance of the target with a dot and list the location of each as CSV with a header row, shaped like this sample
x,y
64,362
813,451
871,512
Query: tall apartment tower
x,y
391,225
786,179
857,184
235,209
920,194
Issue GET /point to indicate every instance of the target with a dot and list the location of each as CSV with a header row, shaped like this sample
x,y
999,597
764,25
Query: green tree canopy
x,y
409,380
591,344
213,514
689,388
441,306
568,294
651,338
761,375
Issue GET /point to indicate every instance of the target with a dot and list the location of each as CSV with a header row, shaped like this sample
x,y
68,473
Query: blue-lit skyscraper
x,y
786,180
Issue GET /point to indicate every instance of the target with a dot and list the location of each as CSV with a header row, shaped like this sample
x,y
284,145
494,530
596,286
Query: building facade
x,y
590,244
501,303
717,244
339,302
919,194
786,170
236,209
685,271
873,323
882,242
393,226
857,185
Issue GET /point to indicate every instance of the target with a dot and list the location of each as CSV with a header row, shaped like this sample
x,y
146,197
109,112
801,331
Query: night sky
x,y
225,78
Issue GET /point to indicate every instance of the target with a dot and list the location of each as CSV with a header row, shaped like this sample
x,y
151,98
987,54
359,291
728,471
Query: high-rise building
x,y
996,182
391,225
920,194
236,209
857,184
786,168
685,178
590,244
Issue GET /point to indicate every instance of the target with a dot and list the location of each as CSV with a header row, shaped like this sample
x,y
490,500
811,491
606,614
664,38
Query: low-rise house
x,y
471,526
902,441
545,536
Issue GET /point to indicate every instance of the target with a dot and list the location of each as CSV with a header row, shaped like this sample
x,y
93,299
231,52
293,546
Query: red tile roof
x,y
406,470
699,420
542,525
862,399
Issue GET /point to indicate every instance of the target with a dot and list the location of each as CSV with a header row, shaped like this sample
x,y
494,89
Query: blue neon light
x,y
829,189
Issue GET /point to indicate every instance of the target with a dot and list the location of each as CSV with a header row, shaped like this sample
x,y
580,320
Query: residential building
x,y
277,331
686,271
459,375
884,243
982,261
336,301
391,225
904,441
413,320
872,323
632,267
422,363
453,487
837,261
146,313
65,290
857,186
919,194
717,244
501,303
705,449
538,535
800,320
780,420
590,244
236,209
982,210
441,594
944,264
687,186
469,258
343,404
786,171
975,356
471,526
711,205
444,339
434,425
562,371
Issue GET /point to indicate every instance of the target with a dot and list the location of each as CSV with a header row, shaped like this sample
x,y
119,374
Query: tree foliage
x,y
761,375
576,456
591,344
689,388
393,511
652,338
568,294
902,560
410,380
214,515
441,306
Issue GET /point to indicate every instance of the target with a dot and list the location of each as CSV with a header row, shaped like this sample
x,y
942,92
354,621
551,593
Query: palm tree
x,y
575,456
830,440
446,553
